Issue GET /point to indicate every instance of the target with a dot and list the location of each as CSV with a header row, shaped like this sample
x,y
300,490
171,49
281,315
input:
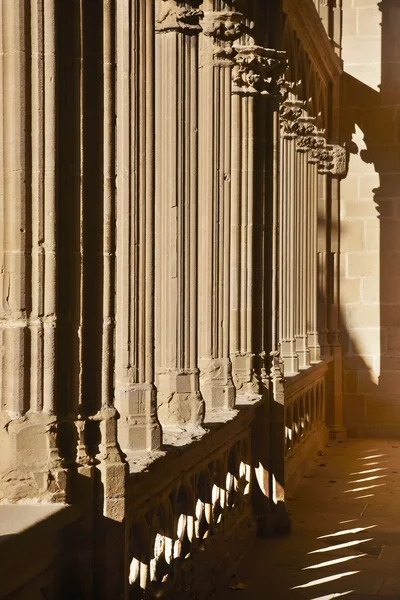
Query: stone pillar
x,y
254,75
290,113
135,394
312,217
219,30
303,145
179,400
323,223
30,465
335,163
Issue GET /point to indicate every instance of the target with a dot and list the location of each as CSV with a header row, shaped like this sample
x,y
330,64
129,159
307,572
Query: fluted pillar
x,y
290,113
177,375
303,146
312,220
28,307
219,29
135,394
322,263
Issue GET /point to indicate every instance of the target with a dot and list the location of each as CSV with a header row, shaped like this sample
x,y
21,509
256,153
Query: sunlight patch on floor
x,y
334,561
345,532
325,580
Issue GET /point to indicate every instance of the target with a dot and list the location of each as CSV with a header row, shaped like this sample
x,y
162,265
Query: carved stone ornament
x,y
333,160
340,161
224,28
318,145
256,70
172,15
307,131
289,115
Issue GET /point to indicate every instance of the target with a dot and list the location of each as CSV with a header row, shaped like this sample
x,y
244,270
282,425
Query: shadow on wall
x,y
370,298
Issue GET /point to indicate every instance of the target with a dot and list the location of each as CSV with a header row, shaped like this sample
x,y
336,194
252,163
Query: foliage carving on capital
x,y
289,116
340,158
256,70
223,27
333,160
306,134
318,147
173,15
226,26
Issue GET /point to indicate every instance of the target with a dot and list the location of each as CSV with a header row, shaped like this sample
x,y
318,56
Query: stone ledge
x,y
25,529
295,383
184,448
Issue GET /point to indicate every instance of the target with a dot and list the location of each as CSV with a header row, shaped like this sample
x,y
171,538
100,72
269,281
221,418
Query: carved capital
x,y
223,28
318,145
256,70
306,134
290,114
173,15
340,157
333,160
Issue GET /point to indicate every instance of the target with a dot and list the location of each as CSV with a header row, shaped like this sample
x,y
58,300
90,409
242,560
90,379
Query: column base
x,y
290,359
179,401
303,351
30,463
244,377
337,432
314,347
216,383
138,427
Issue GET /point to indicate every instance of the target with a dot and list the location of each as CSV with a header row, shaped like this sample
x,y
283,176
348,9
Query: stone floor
x,y
345,537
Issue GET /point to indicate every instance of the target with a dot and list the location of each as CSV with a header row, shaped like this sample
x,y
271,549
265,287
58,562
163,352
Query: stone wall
x,y
370,226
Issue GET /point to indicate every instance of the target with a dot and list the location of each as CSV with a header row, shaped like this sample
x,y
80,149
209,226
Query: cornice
x,y
306,21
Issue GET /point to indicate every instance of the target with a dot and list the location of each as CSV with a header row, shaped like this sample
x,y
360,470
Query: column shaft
x,y
135,395
301,332
215,166
179,400
312,331
322,265
287,246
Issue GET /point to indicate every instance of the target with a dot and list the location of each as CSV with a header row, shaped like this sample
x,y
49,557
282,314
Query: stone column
x,y
312,217
177,26
219,30
335,163
135,394
29,458
254,67
322,262
290,113
304,143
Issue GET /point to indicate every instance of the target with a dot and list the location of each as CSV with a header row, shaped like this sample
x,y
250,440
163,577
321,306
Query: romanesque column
x,y
135,394
322,263
254,76
28,248
290,113
312,220
304,144
219,29
336,165
177,26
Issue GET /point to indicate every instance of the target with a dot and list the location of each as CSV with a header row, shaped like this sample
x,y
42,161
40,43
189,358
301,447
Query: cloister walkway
x,y
345,539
